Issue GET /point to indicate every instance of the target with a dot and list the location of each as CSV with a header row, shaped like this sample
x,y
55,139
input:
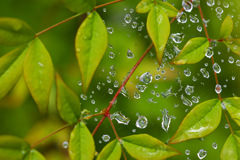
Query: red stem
x,y
106,4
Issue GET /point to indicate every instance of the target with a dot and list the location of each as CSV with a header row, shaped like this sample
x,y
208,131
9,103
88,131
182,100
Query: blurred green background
x,y
19,115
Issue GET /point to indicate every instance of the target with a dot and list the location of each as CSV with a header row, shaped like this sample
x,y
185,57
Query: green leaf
x,y
232,105
193,52
144,6
80,6
91,44
13,148
111,151
68,103
81,144
226,28
34,155
234,45
146,147
158,27
199,122
170,10
231,148
11,66
14,31
38,73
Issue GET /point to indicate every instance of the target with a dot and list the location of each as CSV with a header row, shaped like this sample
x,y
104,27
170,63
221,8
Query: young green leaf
x,y
80,6
11,66
226,28
233,107
169,9
144,6
34,155
14,31
91,44
231,148
199,122
158,27
68,103
146,147
81,144
13,148
234,45
193,52
38,73
111,151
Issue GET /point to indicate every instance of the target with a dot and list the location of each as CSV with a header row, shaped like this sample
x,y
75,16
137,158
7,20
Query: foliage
x,y
32,60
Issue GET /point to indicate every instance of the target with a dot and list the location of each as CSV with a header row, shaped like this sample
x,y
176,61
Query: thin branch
x,y
106,4
98,125
41,140
228,122
94,115
55,25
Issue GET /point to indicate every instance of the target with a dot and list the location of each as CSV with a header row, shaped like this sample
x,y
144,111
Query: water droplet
x,y
204,72
214,145
84,97
116,84
141,88
202,154
182,17
110,91
194,19
186,101
40,64
112,71
210,3
128,18
134,24
133,130
104,10
238,62
146,78
195,3
93,101
177,37
219,10
166,120
195,99
167,93
187,5
79,83
130,54
209,52
108,79
218,88
189,90
105,138
199,28
216,68
124,92
110,30
120,118
98,87
226,126
157,77
187,72
187,152
225,5
65,145
142,122
137,95
111,55
231,60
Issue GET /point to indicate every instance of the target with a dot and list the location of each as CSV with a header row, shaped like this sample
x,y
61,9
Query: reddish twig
x,y
106,4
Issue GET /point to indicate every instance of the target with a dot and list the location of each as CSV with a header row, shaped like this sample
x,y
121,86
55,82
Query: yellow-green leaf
x,y
34,155
144,6
158,27
231,148
91,44
111,151
14,31
13,148
169,9
38,73
80,6
81,144
68,103
226,28
11,66
193,52
232,105
234,45
199,122
146,147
